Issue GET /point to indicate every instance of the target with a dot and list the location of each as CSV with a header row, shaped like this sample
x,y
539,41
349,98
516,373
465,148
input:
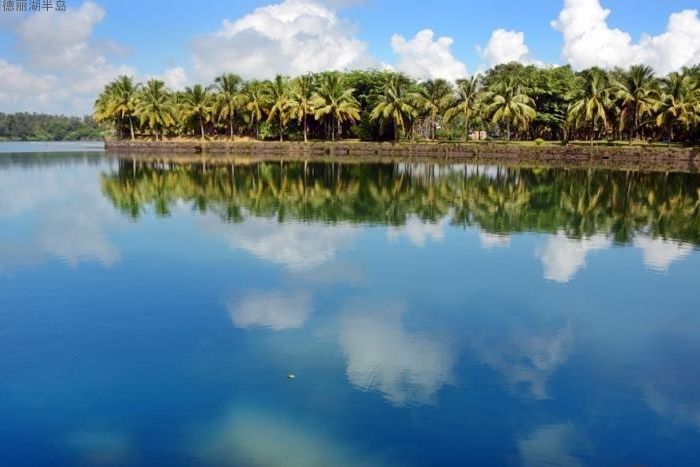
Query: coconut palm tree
x,y
334,100
256,103
396,104
154,107
118,103
675,105
591,103
467,103
432,97
507,102
278,96
228,98
197,103
635,90
301,101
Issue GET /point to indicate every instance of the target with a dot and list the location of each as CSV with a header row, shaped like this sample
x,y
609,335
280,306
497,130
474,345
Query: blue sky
x,y
77,51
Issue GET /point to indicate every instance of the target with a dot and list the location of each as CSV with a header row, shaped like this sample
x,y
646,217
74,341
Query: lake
x,y
331,314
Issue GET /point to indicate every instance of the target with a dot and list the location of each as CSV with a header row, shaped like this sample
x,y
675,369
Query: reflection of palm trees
x,y
578,202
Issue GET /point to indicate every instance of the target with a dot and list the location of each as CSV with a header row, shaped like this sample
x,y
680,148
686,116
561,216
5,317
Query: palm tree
x,y
228,99
154,107
507,102
635,91
256,103
467,103
335,100
675,105
396,104
301,101
592,102
197,104
432,97
278,95
118,103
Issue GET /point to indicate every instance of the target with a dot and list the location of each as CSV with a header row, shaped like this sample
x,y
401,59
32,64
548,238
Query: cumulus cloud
x,y
419,232
526,355
287,243
381,355
426,57
63,66
659,254
563,257
590,41
272,310
292,37
506,46
175,78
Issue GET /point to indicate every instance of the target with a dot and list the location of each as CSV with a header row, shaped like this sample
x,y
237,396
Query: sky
x,y
57,62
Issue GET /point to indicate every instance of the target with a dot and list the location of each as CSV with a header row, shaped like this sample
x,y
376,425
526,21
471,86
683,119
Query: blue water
x,y
152,314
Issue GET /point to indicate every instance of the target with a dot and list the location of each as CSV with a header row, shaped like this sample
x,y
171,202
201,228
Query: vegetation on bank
x,y
508,102
41,127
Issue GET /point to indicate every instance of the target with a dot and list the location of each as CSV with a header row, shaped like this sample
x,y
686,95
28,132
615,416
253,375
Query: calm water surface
x,y
433,315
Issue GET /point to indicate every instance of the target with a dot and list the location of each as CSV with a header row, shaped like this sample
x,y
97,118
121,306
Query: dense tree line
x,y
510,101
581,203
41,127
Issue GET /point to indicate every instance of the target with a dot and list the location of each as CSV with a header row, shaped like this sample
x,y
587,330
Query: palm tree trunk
x,y
230,124
281,128
670,134
201,127
466,136
306,129
131,127
508,130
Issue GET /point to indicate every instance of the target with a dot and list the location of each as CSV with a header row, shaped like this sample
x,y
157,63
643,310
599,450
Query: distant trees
x,y
41,127
510,102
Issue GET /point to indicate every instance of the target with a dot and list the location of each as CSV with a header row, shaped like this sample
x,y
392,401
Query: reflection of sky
x,y
54,212
416,345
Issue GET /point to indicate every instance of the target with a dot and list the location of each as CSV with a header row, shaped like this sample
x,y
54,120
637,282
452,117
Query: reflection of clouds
x,y
659,254
259,438
101,447
563,257
296,245
68,212
490,241
526,356
272,310
381,355
679,404
419,232
550,445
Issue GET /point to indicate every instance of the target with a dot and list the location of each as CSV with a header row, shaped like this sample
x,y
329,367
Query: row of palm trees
x,y
508,101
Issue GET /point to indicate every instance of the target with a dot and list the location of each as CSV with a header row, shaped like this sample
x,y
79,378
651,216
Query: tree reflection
x,y
500,201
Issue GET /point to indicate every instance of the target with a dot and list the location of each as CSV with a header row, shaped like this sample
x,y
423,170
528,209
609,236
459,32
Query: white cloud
x,y
659,254
63,67
420,232
284,243
563,257
526,356
490,241
292,37
381,355
251,436
590,41
70,217
175,78
273,310
424,57
550,445
506,46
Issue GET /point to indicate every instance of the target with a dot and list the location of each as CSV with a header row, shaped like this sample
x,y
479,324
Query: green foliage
x,y
509,101
42,127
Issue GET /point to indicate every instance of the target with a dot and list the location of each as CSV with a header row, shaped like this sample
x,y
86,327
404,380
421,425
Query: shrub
x,y
539,141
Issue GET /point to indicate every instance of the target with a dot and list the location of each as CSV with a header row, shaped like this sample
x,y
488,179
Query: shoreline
x,y
613,157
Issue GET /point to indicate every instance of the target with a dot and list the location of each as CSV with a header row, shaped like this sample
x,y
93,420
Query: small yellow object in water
x,y
292,376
